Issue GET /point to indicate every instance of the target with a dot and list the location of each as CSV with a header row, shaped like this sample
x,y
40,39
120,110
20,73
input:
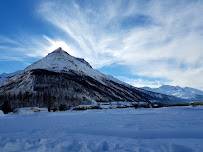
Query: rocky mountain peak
x,y
59,49
61,62
59,52
63,79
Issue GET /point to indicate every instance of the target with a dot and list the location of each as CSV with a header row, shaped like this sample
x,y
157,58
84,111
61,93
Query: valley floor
x,y
175,129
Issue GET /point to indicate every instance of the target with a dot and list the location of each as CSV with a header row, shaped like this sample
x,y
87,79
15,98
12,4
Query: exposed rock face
x,y
61,78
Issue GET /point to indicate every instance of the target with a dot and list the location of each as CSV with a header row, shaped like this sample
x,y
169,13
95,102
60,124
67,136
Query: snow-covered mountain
x,y
60,78
6,76
184,93
61,62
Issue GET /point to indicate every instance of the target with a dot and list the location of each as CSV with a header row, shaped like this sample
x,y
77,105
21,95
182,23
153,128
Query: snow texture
x,y
177,129
61,62
1,113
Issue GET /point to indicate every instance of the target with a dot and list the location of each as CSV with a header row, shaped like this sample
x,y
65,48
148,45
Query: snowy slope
x,y
177,129
60,61
5,76
66,79
185,93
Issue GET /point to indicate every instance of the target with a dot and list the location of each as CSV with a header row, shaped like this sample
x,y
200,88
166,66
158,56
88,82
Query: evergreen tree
x,y
62,107
6,108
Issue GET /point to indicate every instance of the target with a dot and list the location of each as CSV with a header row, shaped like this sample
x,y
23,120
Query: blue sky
x,y
142,42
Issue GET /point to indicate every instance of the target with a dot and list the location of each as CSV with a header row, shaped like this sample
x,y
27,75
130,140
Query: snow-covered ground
x,y
176,129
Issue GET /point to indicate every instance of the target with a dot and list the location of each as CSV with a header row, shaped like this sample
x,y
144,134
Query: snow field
x,y
1,113
176,129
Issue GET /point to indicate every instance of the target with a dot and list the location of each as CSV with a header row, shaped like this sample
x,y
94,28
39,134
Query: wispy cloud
x,y
6,40
28,46
166,44
156,39
140,82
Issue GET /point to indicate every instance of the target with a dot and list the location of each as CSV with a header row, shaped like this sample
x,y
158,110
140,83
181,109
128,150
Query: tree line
x,y
48,100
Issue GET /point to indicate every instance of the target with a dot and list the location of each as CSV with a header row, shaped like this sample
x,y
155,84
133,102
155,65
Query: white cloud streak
x,y
139,82
26,46
167,45
7,40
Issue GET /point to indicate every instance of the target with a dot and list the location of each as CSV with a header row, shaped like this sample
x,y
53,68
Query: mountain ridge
x,y
177,91
5,76
60,78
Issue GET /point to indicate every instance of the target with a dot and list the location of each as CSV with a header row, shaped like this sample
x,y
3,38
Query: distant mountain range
x,y
60,78
5,76
184,93
177,91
